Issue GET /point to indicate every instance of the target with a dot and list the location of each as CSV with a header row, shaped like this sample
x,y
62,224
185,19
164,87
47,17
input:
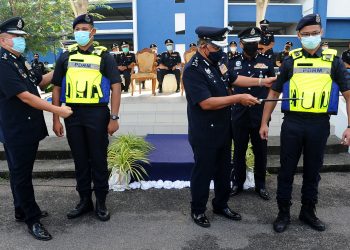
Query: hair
x,y
201,42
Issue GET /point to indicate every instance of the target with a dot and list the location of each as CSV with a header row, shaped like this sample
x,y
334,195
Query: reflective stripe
x,y
312,70
83,65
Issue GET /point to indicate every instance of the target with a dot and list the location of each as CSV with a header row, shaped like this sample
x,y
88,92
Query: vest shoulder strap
x,y
329,54
296,53
73,48
99,50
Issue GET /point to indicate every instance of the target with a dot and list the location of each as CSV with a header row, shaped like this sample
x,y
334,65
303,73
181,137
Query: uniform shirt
x,y
107,67
271,55
259,66
230,57
125,59
281,56
269,35
170,59
338,74
38,67
20,124
202,80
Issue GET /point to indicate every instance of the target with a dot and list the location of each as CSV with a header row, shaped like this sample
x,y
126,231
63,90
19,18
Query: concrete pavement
x,y
159,219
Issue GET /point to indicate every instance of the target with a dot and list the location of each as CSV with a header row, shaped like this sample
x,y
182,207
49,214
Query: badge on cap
x,y
252,32
87,18
318,18
20,24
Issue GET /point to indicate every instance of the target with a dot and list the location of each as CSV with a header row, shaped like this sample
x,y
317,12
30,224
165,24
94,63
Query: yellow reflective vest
x,y
312,84
84,82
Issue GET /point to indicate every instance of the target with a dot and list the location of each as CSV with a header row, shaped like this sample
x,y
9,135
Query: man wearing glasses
x,y
314,78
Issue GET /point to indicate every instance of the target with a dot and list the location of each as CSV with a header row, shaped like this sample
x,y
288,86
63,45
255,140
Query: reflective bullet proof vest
x,y
84,83
312,83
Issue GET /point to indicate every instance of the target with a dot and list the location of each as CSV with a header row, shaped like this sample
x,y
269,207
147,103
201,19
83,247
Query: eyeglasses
x,y
315,33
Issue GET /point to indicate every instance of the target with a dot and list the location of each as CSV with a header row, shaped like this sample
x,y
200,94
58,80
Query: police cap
x,y
124,43
168,41
346,56
153,45
115,45
193,45
252,34
264,22
233,43
216,36
289,43
311,19
13,25
85,18
324,44
266,39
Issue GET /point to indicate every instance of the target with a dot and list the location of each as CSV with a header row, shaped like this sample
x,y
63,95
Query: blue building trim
x,y
108,25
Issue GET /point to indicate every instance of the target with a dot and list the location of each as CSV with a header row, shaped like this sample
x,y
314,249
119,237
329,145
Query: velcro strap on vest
x,y
297,53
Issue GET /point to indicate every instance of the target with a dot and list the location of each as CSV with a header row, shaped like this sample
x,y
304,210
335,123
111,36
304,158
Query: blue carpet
x,y
172,158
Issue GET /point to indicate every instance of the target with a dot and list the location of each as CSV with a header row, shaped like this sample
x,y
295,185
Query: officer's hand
x,y
113,126
248,100
65,111
346,137
58,129
267,82
264,132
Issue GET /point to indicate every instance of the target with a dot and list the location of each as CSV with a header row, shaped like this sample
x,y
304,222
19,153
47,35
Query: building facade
x,y
142,22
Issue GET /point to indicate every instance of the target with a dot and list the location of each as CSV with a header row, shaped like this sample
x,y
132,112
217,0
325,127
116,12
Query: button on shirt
x,y
125,59
202,80
20,124
170,59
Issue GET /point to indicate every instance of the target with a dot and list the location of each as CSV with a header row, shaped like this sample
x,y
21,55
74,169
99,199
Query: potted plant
x,y
125,156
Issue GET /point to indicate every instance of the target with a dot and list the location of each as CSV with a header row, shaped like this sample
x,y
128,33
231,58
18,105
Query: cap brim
x,y
221,44
251,39
17,32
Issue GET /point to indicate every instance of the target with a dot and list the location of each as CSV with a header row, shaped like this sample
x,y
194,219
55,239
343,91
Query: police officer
x,y
264,26
346,58
170,63
266,47
83,78
22,123
209,115
324,45
246,120
317,77
38,66
283,54
154,48
192,45
125,63
232,53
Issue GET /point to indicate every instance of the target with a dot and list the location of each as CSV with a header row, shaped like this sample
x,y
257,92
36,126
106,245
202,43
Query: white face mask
x,y
169,47
233,49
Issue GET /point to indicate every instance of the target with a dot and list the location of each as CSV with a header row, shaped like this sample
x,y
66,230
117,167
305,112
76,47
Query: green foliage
x,y
249,156
127,153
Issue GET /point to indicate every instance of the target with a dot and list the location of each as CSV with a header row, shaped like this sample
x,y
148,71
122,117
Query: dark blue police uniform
x,y
169,59
209,133
125,59
87,130
246,120
22,127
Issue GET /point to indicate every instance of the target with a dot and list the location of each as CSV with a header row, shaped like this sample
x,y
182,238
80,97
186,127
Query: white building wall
x,y
338,8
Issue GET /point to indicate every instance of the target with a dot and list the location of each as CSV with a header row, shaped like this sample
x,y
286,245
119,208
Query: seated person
x,y
170,63
125,63
193,45
283,54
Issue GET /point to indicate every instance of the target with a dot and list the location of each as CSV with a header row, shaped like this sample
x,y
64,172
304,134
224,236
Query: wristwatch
x,y
114,117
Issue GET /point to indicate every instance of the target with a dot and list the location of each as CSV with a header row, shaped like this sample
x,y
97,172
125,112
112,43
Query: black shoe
x,y
308,216
177,90
283,218
160,91
85,205
228,213
101,211
200,220
263,193
235,190
39,232
20,216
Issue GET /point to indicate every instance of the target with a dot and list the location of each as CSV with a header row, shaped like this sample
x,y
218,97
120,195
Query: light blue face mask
x,y
169,47
311,42
19,44
82,37
125,50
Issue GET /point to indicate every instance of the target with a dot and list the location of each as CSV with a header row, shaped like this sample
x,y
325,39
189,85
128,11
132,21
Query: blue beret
x,y
85,18
153,45
13,25
311,19
252,34
168,41
217,36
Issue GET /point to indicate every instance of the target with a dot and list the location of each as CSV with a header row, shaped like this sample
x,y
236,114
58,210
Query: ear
x,y
299,36
241,45
93,32
321,32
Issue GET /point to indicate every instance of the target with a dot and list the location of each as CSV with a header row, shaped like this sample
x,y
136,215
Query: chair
x,y
146,61
187,57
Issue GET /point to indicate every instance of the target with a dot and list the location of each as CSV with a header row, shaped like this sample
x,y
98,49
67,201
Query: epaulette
x,y
194,61
329,54
73,48
296,53
99,50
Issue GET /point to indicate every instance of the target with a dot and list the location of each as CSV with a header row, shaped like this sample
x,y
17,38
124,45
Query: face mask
x,y
125,50
311,42
19,44
215,57
82,37
250,48
233,49
169,47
